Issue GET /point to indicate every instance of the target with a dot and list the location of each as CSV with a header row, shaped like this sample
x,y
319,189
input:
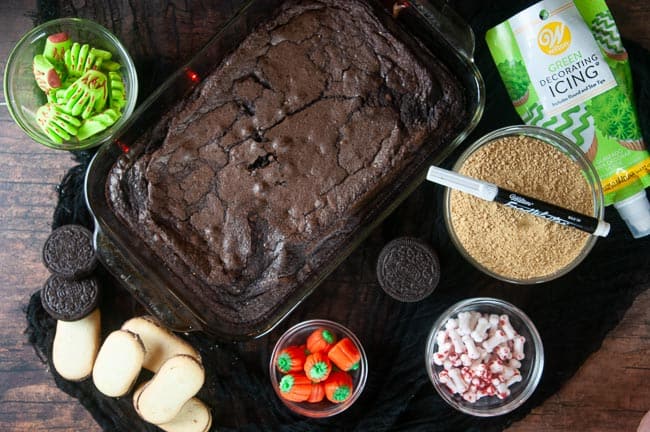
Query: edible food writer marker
x,y
533,206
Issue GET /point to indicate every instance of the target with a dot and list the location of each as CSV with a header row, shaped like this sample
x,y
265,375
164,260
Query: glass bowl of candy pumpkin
x,y
70,84
484,356
318,368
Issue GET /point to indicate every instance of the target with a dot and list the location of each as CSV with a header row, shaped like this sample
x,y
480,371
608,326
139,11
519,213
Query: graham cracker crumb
x,y
512,243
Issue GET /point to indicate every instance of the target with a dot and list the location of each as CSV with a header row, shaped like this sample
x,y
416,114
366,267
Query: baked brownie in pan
x,y
256,181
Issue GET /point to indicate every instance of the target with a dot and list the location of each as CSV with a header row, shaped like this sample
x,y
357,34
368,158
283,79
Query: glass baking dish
x,y
425,27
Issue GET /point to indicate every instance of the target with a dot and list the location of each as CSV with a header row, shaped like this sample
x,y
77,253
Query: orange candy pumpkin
x,y
295,387
317,366
338,387
345,355
317,393
320,340
291,359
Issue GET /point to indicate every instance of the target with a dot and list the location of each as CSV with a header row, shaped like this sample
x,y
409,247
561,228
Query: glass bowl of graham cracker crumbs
x,y
511,245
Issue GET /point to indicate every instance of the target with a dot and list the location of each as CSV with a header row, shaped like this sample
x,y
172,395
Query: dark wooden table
x,y
609,393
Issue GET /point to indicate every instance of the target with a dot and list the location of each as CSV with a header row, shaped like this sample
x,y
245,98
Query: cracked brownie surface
x,y
264,173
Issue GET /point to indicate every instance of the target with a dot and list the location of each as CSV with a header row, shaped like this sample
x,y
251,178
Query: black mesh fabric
x,y
573,314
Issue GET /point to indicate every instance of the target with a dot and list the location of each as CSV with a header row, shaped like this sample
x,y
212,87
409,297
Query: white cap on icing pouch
x,y
635,211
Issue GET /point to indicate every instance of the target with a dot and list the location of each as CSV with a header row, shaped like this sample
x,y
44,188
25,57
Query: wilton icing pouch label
x,y
563,59
565,68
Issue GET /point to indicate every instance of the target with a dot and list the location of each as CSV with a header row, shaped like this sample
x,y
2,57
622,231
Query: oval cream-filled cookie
x,y
136,395
160,344
177,380
194,416
118,363
75,346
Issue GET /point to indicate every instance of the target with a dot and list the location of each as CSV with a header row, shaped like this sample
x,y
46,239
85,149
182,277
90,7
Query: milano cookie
x,y
118,363
69,300
177,381
160,344
69,253
75,346
408,269
195,416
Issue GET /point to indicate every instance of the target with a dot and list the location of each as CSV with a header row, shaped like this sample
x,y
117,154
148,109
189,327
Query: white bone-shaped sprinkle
x,y
465,360
474,319
445,379
504,321
485,354
507,373
480,354
479,334
497,338
457,379
487,391
467,374
451,323
470,396
456,340
441,337
439,358
518,348
493,319
496,366
445,348
470,347
464,323
503,352
454,358
502,390
514,379
480,370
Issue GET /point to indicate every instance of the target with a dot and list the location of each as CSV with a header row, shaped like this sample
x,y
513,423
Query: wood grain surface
x,y
609,393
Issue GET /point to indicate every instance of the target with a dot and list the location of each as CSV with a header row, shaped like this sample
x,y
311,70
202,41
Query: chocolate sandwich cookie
x,y
69,300
69,253
408,269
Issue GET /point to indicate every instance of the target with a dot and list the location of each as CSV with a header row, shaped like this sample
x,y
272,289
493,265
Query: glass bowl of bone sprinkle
x,y
484,356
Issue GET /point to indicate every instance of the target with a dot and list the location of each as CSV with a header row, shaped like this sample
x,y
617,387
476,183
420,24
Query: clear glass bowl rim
x,y
532,378
130,74
552,138
341,330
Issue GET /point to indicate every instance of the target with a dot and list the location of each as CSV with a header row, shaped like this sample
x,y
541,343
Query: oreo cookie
x,y
69,300
408,269
69,253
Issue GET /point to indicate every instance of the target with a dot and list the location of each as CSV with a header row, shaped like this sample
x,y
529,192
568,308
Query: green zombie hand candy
x,y
96,57
81,58
101,54
117,95
58,125
85,90
56,45
46,74
97,123
109,65
58,96
86,95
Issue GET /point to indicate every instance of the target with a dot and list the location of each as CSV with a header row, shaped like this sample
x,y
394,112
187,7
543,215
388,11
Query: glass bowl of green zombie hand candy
x,y
70,84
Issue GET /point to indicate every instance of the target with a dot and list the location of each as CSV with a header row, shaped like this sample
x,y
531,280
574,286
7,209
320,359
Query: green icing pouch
x,y
565,68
